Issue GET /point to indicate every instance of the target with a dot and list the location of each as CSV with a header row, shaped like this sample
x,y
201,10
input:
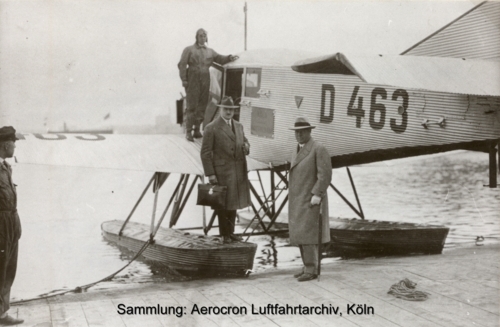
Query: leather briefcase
x,y
212,195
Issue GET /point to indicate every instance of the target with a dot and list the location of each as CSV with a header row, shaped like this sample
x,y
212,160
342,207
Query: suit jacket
x,y
222,155
310,174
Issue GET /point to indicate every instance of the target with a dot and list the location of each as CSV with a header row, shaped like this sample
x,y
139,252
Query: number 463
x,y
374,107
359,112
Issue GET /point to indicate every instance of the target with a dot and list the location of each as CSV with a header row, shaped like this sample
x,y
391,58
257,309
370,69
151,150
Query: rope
x,y
80,289
405,290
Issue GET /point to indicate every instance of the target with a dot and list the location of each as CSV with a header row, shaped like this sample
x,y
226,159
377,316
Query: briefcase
x,y
212,195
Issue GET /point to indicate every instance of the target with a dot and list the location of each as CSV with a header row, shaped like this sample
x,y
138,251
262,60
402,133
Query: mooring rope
x,y
405,289
80,289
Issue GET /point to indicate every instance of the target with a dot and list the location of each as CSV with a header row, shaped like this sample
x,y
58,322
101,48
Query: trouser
x,y
309,254
226,219
10,232
197,95
8,267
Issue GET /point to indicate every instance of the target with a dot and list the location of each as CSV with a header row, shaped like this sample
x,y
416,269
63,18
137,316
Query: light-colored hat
x,y
227,102
302,123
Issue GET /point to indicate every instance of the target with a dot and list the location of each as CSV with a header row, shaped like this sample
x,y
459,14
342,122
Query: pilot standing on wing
x,y
193,68
223,154
10,226
309,178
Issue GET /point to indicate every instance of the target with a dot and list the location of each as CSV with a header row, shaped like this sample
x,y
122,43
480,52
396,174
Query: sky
x,y
77,61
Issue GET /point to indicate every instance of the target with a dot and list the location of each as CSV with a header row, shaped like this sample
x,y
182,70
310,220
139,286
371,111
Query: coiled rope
x,y
80,289
405,290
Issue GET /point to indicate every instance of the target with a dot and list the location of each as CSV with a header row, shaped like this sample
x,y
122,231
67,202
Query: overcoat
x,y
310,174
222,155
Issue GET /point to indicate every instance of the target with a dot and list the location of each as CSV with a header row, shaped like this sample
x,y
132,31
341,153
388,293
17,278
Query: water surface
x,y
62,208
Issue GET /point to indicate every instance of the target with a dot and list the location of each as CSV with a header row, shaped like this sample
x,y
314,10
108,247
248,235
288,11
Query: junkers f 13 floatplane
x,y
366,109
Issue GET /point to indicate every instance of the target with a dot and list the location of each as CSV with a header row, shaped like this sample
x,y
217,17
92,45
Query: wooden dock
x,y
463,287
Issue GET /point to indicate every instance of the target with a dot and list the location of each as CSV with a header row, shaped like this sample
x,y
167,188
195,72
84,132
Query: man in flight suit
x,y
10,226
193,68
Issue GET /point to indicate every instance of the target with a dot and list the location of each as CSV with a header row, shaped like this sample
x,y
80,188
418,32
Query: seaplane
x,y
366,108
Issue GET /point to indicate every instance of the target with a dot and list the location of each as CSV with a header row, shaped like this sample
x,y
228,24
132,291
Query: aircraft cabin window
x,y
262,122
252,82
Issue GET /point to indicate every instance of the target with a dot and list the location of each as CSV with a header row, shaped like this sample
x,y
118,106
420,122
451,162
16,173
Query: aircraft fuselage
x,y
356,121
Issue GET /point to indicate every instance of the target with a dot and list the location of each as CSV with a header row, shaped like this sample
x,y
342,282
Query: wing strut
x,y
210,224
355,192
493,163
358,212
179,210
169,203
269,210
136,205
178,194
178,199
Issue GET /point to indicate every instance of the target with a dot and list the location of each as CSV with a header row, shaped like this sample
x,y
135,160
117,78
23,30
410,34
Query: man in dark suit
x,y
223,154
309,178
10,226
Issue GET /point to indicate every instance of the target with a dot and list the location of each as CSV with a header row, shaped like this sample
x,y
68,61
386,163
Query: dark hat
x,y
302,123
227,102
8,133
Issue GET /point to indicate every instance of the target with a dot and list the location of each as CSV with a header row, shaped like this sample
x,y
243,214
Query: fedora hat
x,y
8,133
301,123
227,102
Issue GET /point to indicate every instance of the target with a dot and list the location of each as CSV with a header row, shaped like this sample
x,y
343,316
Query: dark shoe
x,y
197,134
236,238
189,137
306,276
10,321
297,275
226,239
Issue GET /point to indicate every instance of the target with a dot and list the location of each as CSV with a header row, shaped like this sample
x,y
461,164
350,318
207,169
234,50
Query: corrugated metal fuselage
x,y
356,121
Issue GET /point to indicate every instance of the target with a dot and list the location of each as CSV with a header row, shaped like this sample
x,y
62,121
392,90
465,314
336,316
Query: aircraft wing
x,y
440,74
170,153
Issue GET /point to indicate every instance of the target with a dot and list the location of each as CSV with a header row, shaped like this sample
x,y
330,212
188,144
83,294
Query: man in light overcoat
x,y
223,152
309,178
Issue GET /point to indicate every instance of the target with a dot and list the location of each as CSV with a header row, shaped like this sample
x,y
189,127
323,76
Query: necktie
x,y
6,166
